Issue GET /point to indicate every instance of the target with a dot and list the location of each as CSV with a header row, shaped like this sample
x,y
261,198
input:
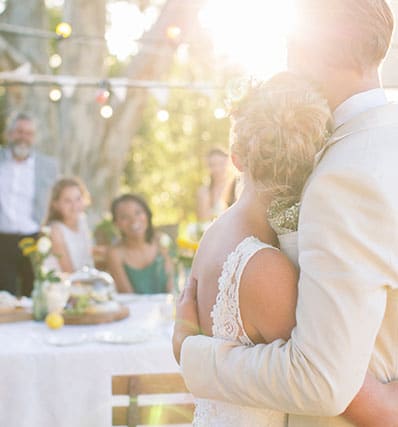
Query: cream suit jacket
x,y
347,310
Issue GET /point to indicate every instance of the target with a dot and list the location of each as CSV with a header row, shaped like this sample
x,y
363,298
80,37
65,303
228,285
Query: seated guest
x,y
137,262
71,240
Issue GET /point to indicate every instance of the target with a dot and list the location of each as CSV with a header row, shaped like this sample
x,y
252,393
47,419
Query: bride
x,y
276,131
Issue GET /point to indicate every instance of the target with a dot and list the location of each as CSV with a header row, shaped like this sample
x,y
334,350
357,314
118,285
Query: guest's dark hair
x,y
139,200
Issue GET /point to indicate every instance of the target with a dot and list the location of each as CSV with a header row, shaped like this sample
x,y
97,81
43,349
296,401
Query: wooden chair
x,y
165,412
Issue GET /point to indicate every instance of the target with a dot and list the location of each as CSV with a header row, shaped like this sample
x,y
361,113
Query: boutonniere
x,y
283,217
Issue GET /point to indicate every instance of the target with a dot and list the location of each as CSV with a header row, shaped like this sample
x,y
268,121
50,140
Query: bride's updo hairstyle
x,y
277,128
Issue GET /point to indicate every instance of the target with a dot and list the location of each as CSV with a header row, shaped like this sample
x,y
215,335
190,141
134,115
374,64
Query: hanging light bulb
x,y
3,6
163,115
106,111
63,30
55,60
220,113
173,32
102,96
55,94
183,53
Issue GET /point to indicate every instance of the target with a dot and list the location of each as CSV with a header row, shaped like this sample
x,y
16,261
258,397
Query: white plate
x,y
129,298
124,338
64,341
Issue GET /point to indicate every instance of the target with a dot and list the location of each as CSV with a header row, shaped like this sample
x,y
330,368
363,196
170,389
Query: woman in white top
x,y
71,241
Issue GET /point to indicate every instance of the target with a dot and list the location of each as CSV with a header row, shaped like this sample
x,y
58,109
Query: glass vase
x,y
39,300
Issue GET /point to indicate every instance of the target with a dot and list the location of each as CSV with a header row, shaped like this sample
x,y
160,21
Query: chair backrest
x,y
177,408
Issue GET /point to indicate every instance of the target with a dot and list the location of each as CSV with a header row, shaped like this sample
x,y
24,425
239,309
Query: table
x,y
43,385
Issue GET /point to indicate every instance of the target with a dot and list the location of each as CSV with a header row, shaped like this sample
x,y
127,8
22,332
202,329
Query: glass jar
x,y
39,300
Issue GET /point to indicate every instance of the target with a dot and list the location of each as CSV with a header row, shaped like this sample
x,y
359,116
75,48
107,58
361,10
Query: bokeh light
x,y
106,111
173,32
254,33
55,94
55,60
163,115
64,30
126,26
220,113
3,6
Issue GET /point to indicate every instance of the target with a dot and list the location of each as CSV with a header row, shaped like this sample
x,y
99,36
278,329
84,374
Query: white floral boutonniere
x,y
282,217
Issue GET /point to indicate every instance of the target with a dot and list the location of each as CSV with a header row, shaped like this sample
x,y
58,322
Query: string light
x,y
63,30
55,60
106,111
3,6
10,78
163,115
54,3
182,53
220,113
173,32
102,96
55,94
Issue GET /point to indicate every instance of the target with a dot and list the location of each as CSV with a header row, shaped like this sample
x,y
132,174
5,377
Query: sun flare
x,y
251,33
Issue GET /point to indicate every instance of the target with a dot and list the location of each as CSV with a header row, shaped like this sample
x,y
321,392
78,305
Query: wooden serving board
x,y
15,315
96,318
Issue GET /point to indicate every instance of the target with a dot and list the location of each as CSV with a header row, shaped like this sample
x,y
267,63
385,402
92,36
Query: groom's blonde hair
x,y
354,34
276,130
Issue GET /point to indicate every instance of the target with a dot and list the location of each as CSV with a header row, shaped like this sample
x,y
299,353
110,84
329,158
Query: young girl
x,y
71,241
137,263
247,288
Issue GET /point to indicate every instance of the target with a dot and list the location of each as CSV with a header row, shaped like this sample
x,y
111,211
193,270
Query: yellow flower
x,y
187,244
26,241
27,250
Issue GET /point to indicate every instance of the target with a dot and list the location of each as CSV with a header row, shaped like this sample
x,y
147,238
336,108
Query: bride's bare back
x,y
267,296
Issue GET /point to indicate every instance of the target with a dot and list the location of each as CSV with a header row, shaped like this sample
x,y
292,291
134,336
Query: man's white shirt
x,y
17,192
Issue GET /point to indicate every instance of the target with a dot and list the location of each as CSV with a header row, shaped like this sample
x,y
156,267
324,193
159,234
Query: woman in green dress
x,y
137,262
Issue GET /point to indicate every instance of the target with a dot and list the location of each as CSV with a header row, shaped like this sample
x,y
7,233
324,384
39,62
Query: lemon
x,y
54,320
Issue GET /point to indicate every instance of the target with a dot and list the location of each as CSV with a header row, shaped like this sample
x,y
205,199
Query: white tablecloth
x,y
42,385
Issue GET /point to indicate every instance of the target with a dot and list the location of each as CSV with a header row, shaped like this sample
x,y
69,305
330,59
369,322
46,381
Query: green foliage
x,y
105,232
77,304
168,159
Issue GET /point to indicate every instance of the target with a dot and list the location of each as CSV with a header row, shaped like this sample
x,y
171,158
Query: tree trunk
x,y
18,49
73,130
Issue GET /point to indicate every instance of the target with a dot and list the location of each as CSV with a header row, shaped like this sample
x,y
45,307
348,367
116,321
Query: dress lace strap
x,y
227,321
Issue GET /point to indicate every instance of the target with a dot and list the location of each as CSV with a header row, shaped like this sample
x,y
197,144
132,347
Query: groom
x,y
347,310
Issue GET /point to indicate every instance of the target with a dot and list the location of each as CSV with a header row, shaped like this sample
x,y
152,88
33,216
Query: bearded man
x,y
26,177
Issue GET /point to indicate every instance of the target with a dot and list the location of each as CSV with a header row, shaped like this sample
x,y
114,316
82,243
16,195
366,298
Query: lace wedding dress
x,y
227,324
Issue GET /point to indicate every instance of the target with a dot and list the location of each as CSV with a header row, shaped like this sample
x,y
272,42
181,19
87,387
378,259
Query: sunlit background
x,y
251,33
248,33
206,46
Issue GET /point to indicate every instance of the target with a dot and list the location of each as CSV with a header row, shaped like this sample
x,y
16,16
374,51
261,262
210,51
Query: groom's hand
x,y
187,320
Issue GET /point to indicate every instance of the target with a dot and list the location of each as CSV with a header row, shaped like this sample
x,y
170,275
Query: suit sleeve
x,y
346,269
